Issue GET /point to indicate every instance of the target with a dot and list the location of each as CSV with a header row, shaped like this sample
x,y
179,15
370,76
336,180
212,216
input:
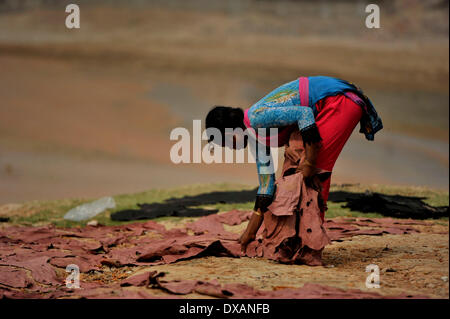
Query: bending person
x,y
324,109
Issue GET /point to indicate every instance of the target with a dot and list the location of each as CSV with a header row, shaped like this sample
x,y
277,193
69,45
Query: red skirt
x,y
336,119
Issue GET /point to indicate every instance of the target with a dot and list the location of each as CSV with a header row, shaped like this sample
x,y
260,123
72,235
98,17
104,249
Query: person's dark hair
x,y
222,117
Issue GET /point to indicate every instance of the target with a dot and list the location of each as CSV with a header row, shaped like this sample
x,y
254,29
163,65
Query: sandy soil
x,y
88,112
415,264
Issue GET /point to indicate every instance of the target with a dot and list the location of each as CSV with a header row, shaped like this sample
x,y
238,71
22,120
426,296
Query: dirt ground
x,y
415,264
412,263
87,113
412,256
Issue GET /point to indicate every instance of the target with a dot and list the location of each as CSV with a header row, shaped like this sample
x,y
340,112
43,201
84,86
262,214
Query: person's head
x,y
222,117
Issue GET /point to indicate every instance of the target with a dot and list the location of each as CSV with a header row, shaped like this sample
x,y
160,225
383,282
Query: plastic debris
x,y
90,210
93,223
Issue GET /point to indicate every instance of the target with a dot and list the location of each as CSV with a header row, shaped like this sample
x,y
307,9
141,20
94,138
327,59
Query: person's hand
x,y
307,169
245,239
314,183
310,175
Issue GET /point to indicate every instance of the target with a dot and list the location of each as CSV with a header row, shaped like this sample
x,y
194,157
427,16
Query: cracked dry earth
x,y
413,261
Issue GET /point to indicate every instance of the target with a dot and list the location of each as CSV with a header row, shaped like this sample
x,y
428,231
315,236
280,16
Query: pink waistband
x,y
303,88
246,119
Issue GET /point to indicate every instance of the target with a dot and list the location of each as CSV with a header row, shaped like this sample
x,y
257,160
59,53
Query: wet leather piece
x,y
242,291
396,206
186,206
293,230
33,259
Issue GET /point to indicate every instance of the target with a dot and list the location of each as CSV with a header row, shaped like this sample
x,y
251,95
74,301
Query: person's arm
x,y
279,116
304,117
252,228
264,196
266,173
308,166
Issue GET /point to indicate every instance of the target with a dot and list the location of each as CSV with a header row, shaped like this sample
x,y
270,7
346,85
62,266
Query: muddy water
x,y
82,132
395,159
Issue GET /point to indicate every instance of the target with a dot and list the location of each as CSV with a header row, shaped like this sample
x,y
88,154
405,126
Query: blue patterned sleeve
x,y
282,116
266,174
266,183
279,108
